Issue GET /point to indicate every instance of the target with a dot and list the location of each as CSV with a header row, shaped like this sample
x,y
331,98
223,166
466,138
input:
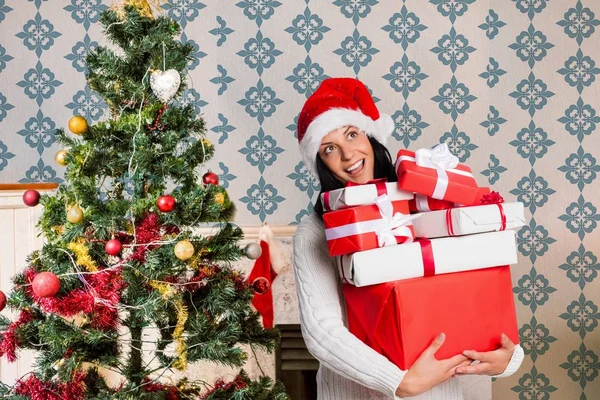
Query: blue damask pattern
x,y
88,104
404,27
261,150
356,51
453,49
493,170
39,83
5,106
79,52
493,122
492,25
39,132
535,339
5,155
307,29
405,76
86,12
307,77
582,266
260,101
580,119
509,85
38,34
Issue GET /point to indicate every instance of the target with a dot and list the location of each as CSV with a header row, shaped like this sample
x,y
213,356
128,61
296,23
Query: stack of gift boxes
x,y
427,254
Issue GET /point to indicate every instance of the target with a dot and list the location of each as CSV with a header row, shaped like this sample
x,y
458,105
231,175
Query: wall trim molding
x,y
251,231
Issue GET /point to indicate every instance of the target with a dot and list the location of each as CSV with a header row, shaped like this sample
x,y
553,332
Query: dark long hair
x,y
384,168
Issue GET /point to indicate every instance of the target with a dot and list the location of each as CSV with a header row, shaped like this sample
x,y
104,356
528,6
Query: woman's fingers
x,y
475,355
480,368
435,345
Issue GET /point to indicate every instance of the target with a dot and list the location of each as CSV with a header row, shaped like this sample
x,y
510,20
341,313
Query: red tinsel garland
x,y
147,231
237,384
9,343
105,285
155,387
37,389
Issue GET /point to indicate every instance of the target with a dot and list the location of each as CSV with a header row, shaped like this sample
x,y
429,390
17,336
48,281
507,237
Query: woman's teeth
x,y
354,166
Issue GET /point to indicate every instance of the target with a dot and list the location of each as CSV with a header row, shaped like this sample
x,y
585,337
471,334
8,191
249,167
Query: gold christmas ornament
x,y
78,125
74,214
184,250
219,198
206,142
60,157
143,6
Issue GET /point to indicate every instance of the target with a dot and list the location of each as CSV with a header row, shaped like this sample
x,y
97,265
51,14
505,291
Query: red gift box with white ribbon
x,y
436,173
384,223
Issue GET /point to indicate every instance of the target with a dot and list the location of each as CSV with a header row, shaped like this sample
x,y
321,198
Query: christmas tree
x,y
121,262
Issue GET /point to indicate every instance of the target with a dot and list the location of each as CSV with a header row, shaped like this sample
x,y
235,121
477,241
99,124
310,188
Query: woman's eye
x,y
329,149
352,135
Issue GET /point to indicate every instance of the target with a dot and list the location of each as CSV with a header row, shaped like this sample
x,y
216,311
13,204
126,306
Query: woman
x,y
341,137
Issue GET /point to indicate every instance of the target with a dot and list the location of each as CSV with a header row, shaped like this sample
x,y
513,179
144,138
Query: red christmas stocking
x,y
261,278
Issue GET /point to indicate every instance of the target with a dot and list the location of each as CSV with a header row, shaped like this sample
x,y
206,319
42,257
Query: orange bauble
x,y
78,125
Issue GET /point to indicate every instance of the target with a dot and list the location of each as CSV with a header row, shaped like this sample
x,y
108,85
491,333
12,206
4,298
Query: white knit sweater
x,y
349,369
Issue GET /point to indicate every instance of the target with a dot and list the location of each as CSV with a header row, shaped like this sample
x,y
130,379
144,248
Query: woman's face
x,y
348,154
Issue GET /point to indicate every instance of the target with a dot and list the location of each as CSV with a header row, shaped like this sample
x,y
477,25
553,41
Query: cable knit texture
x,y
349,369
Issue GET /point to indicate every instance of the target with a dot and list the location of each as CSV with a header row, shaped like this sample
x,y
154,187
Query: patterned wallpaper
x,y
508,84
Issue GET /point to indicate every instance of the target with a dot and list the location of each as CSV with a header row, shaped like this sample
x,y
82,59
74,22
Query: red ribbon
x,y
379,185
492,198
427,254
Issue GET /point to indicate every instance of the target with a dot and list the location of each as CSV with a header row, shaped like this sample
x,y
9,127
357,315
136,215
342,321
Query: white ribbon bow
x,y
439,157
442,160
394,225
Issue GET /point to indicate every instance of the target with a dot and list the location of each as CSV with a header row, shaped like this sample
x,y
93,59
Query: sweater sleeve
x,y
321,317
515,362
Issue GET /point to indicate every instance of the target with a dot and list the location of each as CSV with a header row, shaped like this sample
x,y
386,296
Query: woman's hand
x,y
490,362
428,372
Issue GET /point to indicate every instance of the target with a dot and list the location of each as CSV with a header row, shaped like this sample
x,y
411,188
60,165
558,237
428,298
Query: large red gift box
x,y
400,319
455,184
368,227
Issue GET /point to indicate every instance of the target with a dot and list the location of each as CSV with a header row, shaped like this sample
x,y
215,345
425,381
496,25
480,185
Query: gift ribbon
x,y
427,255
389,227
421,203
379,186
442,160
450,225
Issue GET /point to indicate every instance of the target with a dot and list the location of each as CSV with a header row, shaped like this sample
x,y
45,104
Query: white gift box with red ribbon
x,y
426,257
470,220
360,195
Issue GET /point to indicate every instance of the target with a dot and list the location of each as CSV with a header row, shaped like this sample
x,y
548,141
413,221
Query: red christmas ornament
x,y
31,198
261,285
45,284
2,300
113,247
166,203
210,178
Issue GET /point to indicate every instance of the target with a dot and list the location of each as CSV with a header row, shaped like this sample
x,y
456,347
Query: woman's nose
x,y
347,153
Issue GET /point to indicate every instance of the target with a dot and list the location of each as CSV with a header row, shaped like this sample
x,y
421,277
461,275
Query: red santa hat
x,y
336,103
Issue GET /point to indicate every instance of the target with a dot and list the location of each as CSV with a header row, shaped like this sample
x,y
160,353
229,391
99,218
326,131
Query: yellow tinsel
x,y
144,6
83,256
166,291
181,348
